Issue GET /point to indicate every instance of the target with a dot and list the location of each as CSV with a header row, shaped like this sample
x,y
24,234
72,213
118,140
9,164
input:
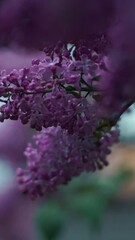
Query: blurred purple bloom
x,y
16,212
59,156
33,23
13,139
119,83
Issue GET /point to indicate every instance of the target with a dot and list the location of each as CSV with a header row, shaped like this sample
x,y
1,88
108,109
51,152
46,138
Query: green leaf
x,y
50,220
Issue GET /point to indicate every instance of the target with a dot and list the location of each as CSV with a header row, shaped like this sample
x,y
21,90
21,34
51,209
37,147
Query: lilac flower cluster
x,y
59,94
105,26
39,94
60,156
67,95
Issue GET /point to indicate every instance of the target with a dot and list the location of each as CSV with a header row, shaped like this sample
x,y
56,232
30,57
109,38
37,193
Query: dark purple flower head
x,y
119,82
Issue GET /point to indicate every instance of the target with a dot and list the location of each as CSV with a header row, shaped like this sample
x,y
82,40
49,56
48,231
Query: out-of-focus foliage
x,y
91,197
85,198
50,219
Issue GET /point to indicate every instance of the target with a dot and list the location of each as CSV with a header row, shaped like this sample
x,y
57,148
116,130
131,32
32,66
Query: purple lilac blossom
x,y
103,26
59,94
60,156
39,94
65,95
13,145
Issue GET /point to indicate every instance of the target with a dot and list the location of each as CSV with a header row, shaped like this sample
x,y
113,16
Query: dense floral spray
x,y
75,96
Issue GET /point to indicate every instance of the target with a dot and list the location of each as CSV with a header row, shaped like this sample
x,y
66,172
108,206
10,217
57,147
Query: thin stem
x,y
124,108
40,92
3,101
